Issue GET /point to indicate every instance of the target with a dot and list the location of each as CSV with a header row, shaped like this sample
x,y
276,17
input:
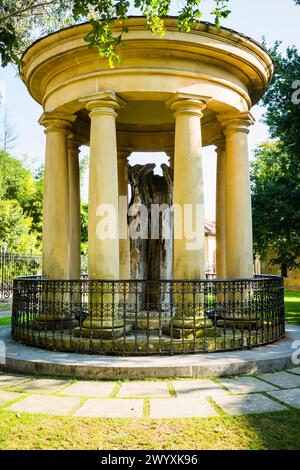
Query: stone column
x,y
103,184
123,209
189,259
74,212
220,210
239,250
103,253
56,235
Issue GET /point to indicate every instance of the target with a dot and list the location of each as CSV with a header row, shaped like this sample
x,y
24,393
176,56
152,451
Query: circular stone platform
x,y
34,360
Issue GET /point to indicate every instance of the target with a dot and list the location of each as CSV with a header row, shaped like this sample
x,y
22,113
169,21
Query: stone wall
x,y
291,282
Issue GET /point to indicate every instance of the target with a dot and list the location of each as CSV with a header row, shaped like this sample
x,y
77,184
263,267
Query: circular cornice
x,y
236,54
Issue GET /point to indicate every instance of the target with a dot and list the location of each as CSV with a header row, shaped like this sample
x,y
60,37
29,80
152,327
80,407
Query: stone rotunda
x,y
175,94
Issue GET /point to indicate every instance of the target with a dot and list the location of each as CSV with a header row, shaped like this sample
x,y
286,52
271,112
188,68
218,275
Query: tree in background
x,y
20,206
15,228
84,208
282,100
23,21
8,133
275,204
276,171
83,167
84,228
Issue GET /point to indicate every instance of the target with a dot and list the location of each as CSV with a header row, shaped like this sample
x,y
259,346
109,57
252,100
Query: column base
x,y
191,322
95,323
191,333
150,321
54,325
192,328
99,328
239,324
102,333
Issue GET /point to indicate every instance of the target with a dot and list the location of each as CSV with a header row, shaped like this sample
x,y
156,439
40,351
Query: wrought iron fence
x,y
14,265
148,317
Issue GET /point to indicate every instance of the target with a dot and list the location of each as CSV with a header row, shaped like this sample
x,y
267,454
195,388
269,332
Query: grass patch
x,y
4,307
267,431
5,321
292,306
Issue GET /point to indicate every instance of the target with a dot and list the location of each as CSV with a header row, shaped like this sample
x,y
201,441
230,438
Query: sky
x,y
273,19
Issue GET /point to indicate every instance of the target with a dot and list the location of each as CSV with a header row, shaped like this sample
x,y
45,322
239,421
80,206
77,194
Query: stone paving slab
x,y
43,385
246,385
5,397
60,406
90,389
111,408
191,404
247,404
181,408
9,380
143,389
290,397
197,388
282,379
295,370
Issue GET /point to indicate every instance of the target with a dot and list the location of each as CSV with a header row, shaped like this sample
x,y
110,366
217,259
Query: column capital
x,y
185,103
220,144
103,103
236,122
73,141
73,146
57,121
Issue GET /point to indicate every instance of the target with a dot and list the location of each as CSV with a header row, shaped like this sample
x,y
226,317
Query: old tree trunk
x,y
151,226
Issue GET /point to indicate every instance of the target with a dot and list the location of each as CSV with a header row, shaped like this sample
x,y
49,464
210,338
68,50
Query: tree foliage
x,y
275,179
20,205
276,171
15,227
282,99
84,228
23,21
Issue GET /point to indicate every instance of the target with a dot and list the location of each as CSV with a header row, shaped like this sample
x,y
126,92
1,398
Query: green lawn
x,y
267,431
292,306
5,321
4,306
